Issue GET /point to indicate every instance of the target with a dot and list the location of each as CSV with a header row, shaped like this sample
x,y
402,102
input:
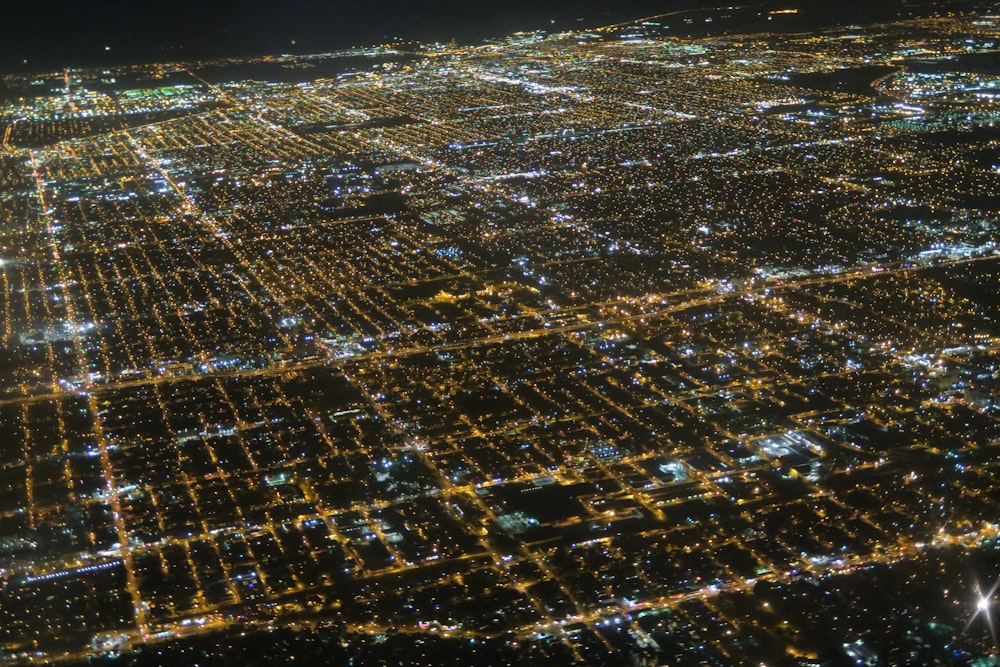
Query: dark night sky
x,y
52,33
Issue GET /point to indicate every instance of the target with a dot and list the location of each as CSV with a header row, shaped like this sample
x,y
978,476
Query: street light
x,y
984,603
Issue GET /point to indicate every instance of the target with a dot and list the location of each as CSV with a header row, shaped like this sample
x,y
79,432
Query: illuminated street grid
x,y
592,336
